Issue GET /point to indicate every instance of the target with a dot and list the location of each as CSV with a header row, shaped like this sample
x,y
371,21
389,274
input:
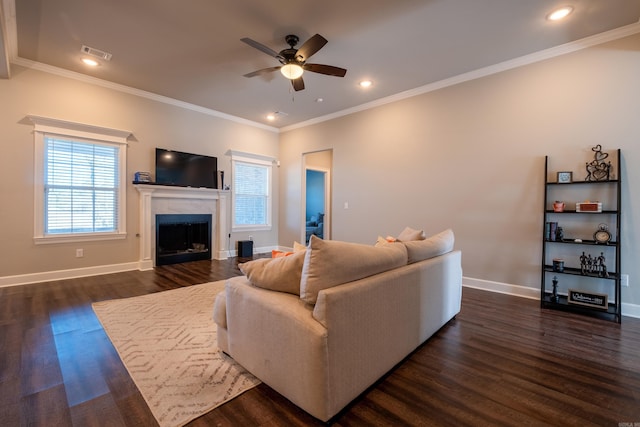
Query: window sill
x,y
243,228
71,238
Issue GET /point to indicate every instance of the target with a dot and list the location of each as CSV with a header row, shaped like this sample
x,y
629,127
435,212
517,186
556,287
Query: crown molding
x,y
136,92
532,58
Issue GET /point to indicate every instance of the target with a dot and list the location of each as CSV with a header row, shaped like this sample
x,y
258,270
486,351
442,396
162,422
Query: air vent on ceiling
x,y
96,52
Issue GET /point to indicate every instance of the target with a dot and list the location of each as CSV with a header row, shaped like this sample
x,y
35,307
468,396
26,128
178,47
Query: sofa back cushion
x,y
280,274
430,247
329,263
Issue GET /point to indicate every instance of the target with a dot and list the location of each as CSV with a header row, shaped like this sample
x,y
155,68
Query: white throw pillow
x,y
438,244
330,262
280,274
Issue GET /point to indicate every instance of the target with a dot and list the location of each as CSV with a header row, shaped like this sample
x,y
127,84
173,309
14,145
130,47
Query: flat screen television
x,y
186,169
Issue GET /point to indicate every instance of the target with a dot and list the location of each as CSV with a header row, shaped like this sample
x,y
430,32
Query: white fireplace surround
x,y
162,199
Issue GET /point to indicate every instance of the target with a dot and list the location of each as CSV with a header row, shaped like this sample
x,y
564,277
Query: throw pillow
x,y
297,247
385,240
438,244
280,274
409,234
277,254
329,263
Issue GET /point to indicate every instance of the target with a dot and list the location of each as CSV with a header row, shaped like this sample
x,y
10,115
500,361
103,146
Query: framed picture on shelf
x,y
565,177
589,299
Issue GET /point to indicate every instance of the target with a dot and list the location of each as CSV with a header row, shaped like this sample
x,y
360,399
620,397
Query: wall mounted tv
x,y
186,169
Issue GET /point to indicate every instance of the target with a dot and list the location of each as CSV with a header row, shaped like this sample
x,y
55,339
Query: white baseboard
x,y
261,250
501,288
631,310
47,276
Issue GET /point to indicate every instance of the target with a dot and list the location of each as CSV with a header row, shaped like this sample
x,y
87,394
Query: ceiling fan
x,y
294,61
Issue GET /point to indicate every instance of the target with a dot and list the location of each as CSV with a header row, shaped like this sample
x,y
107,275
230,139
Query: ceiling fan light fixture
x,y
291,71
560,13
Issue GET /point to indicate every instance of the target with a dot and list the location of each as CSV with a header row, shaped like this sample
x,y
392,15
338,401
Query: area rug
x,y
167,342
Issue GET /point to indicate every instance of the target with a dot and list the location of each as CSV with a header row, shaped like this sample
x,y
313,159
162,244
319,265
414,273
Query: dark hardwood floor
x,y
502,361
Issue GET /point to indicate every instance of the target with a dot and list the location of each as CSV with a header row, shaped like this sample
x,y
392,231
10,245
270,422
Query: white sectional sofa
x,y
323,325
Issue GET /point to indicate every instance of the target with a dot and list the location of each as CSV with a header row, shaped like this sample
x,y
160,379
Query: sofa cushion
x,y
435,245
409,234
280,274
328,263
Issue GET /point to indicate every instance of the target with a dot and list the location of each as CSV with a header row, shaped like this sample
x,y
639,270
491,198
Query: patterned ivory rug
x,y
167,342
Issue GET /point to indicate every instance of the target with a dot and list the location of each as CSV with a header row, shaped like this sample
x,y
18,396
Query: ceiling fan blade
x,y
310,47
263,71
329,70
261,47
298,84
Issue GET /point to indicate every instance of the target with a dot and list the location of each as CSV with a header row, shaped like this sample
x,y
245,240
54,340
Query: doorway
x,y
316,197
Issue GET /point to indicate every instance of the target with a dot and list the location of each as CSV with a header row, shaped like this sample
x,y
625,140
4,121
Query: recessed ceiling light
x,y
90,62
560,13
366,83
275,115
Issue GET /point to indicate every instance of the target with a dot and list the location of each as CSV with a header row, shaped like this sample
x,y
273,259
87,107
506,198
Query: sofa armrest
x,y
275,337
375,322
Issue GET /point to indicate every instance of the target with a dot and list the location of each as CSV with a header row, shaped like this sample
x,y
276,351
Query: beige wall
x,y
152,123
471,157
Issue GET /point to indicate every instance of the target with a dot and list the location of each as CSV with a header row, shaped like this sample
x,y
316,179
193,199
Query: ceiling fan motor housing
x,y
288,55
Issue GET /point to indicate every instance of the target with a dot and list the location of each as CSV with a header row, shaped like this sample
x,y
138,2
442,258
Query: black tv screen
x,y
186,169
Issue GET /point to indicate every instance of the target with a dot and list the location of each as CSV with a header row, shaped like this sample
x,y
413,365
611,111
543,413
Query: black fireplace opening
x,y
182,238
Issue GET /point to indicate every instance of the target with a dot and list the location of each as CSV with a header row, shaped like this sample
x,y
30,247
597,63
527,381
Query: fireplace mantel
x,y
163,199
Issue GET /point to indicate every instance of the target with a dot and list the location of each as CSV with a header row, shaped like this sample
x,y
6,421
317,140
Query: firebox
x,y
182,238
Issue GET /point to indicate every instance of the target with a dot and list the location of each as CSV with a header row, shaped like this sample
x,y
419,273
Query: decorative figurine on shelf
x,y
602,268
583,264
593,265
598,169
554,295
559,234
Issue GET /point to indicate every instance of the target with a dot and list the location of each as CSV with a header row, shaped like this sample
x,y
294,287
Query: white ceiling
x,y
191,51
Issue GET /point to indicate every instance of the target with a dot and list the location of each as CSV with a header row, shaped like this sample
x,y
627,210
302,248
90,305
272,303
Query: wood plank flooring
x,y
502,361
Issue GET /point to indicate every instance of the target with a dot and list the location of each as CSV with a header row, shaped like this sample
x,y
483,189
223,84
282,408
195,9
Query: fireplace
x,y
182,238
171,200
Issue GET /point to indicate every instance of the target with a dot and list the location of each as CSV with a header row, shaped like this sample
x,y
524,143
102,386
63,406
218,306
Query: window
x,y
80,182
251,196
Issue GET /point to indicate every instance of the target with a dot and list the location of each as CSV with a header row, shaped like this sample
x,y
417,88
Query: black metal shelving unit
x,y
613,310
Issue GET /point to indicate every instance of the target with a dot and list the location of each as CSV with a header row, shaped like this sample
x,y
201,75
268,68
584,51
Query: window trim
x,y
256,159
79,132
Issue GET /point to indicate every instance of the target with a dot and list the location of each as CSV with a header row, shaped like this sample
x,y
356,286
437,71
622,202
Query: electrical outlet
x,y
79,253
251,238
624,280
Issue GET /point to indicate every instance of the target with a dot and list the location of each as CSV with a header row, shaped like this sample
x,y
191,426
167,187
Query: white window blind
x,y
251,193
81,187
79,182
250,183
